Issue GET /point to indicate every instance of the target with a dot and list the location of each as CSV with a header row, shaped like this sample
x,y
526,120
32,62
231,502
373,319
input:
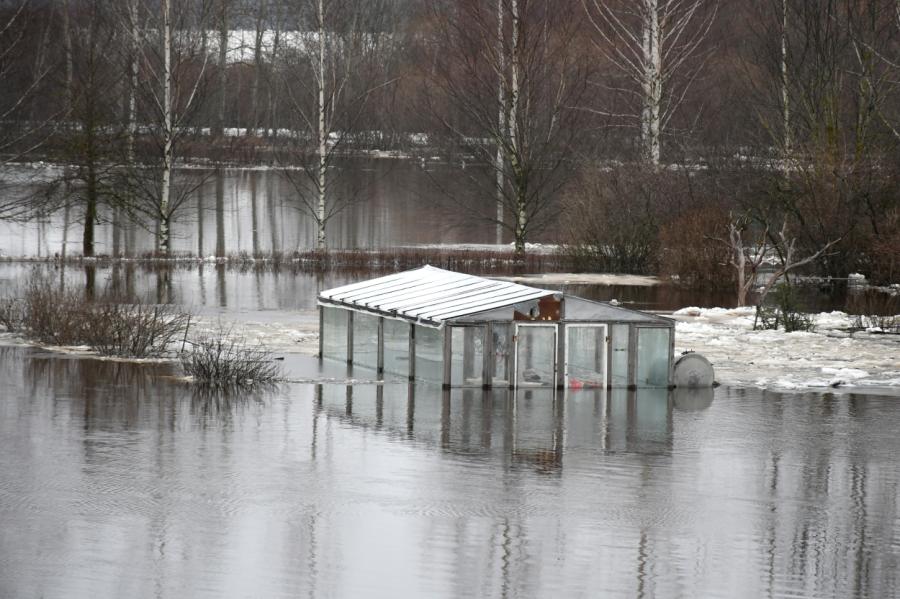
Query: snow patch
x,y
831,356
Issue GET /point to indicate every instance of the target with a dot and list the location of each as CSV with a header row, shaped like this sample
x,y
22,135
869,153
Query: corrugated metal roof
x,y
431,294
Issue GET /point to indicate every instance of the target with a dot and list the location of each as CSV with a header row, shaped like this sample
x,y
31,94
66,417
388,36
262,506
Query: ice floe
x,y
833,355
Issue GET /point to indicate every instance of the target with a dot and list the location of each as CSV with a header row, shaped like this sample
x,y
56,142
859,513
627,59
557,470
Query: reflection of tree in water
x,y
114,395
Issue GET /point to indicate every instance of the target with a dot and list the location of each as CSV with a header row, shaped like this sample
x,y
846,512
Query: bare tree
x,y
824,92
25,70
330,77
748,258
542,79
175,77
652,42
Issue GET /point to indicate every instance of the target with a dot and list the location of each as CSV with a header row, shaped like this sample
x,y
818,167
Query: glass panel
x,y
429,354
334,333
467,349
396,347
618,374
586,356
365,340
653,358
535,355
501,354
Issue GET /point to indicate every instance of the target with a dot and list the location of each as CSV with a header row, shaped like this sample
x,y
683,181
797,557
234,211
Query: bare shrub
x,y
875,309
135,330
110,325
884,250
691,252
612,221
220,360
786,312
53,315
12,314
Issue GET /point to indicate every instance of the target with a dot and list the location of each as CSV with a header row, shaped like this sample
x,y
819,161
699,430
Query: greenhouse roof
x,y
431,294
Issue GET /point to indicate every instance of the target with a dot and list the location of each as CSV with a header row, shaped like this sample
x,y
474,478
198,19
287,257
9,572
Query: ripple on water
x,y
754,495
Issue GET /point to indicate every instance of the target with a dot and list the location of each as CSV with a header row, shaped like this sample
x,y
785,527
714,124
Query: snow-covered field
x,y
828,357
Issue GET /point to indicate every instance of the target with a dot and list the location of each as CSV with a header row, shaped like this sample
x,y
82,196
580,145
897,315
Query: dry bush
x,y
111,325
53,315
219,360
875,309
135,329
692,252
611,220
884,251
12,314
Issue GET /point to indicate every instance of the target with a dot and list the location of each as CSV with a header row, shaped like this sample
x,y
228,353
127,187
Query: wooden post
x,y
412,351
380,362
448,355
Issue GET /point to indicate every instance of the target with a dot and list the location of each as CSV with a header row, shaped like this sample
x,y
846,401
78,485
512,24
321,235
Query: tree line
x,y
675,136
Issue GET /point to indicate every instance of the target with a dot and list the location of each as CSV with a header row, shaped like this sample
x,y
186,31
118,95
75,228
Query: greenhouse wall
x,y
396,346
334,333
429,359
365,340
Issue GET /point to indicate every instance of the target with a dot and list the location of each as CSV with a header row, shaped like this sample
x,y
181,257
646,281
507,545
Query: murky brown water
x,y
117,481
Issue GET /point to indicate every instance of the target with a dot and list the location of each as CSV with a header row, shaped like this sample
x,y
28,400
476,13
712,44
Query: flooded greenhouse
x,y
461,330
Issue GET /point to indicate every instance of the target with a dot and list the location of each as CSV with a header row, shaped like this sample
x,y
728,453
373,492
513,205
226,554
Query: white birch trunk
x,y
785,97
131,126
322,131
257,68
501,117
168,133
223,56
67,47
651,83
514,141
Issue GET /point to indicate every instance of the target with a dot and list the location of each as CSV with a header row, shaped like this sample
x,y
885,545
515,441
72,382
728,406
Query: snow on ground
x,y
531,248
828,357
568,278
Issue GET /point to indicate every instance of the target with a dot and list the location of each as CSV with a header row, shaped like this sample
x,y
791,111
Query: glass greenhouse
x,y
466,331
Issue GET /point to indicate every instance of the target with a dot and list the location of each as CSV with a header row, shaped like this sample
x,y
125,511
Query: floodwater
x,y
382,203
116,480
229,290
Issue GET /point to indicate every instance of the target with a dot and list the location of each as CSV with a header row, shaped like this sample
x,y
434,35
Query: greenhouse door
x,y
535,355
586,355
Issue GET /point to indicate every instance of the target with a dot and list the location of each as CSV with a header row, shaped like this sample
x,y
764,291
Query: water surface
x,y
116,480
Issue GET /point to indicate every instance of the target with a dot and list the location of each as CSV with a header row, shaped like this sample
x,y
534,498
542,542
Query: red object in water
x,y
575,384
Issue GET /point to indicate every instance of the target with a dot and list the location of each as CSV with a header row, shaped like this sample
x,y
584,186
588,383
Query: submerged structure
x,y
467,331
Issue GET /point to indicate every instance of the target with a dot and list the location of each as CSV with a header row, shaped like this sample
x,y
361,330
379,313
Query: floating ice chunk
x,y
845,373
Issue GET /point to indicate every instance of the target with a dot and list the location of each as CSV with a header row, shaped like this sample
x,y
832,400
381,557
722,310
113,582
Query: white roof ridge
x,y
395,294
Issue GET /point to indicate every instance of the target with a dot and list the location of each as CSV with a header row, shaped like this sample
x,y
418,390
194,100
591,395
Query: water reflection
x,y
532,428
235,211
117,479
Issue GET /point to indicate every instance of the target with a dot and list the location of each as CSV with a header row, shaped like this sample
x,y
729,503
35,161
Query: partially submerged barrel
x,y
693,371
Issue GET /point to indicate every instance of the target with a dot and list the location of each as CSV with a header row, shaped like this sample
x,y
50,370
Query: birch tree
x,y
329,81
173,87
824,81
527,129
652,44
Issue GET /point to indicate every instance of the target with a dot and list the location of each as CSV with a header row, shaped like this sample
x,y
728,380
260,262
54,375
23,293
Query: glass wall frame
x,y
334,333
395,346
466,349
429,354
586,359
653,356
